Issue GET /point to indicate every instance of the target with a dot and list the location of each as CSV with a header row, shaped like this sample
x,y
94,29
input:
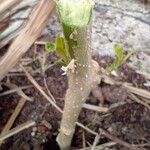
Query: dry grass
x,y
27,36
13,117
7,4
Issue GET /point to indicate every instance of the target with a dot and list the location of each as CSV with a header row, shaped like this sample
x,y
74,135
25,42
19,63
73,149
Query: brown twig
x,y
83,139
49,93
137,91
115,105
116,139
146,100
86,128
96,140
13,117
19,92
100,147
127,86
43,61
37,86
95,108
135,98
16,130
15,90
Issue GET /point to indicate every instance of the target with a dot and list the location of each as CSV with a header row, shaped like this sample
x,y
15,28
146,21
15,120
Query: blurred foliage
x,y
120,58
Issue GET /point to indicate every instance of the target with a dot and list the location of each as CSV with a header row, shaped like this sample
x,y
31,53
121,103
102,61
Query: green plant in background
x,y
120,58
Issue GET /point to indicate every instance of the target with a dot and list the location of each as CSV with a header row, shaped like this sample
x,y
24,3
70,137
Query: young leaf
x,y
71,42
61,49
50,47
120,58
119,54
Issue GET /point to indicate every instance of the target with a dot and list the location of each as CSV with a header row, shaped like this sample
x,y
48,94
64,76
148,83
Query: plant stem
x,y
78,90
80,77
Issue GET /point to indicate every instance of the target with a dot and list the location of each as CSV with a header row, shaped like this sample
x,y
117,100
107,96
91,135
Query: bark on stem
x,y
75,16
80,84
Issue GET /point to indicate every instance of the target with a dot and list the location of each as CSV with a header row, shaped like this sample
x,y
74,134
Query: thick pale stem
x,y
75,16
80,85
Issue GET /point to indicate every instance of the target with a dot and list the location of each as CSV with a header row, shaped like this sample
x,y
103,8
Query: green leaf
x,y
120,58
68,30
118,49
50,47
61,49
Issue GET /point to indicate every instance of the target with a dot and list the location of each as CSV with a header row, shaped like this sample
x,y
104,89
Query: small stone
x,y
33,134
43,140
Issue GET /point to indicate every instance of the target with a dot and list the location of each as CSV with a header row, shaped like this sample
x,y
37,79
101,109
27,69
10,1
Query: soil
x,y
129,121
